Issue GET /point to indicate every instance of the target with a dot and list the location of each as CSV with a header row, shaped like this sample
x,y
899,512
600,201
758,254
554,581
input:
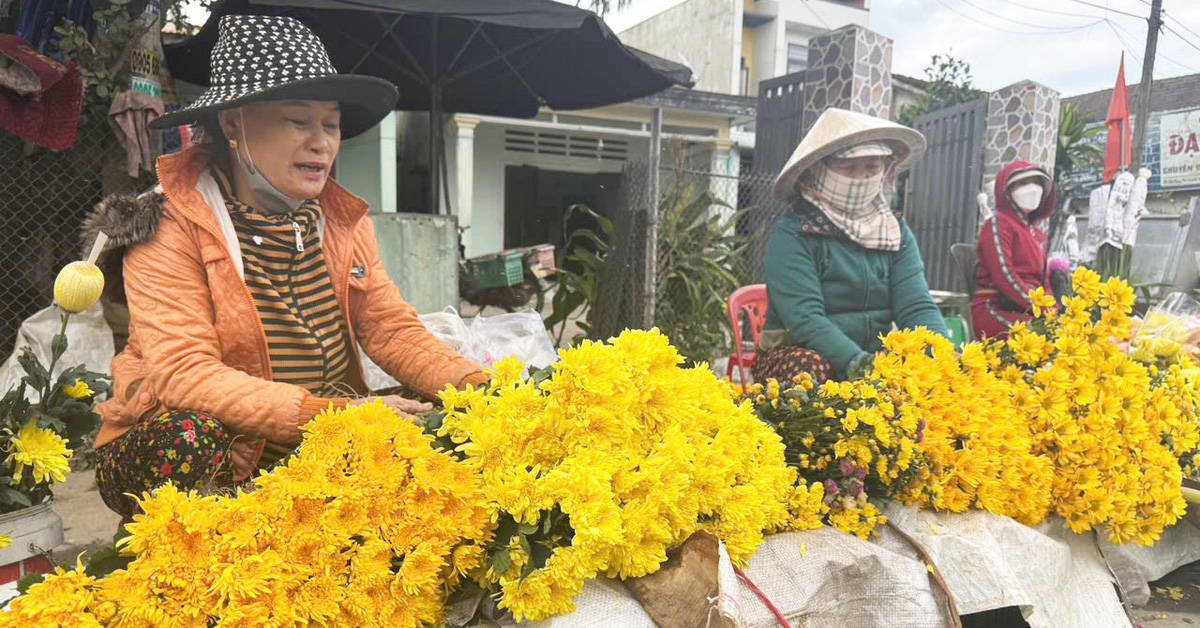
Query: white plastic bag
x,y
89,342
485,340
521,334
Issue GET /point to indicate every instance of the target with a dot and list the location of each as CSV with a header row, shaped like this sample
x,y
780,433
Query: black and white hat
x,y
260,58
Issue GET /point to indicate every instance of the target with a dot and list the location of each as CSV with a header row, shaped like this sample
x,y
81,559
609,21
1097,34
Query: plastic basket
x,y
498,271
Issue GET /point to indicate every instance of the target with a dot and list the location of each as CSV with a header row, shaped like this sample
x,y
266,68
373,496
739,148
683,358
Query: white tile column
x,y
463,176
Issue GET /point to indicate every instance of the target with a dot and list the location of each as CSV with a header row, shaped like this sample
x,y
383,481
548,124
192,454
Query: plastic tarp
x,y
1135,566
1056,577
89,342
817,579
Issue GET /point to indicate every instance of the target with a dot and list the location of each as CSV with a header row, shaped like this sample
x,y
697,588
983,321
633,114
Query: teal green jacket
x,y
837,298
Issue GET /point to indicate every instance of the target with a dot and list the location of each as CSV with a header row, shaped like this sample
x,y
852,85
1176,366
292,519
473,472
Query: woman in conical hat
x,y
841,268
252,278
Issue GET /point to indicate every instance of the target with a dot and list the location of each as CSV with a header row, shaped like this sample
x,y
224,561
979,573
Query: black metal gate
x,y
779,124
941,194
778,127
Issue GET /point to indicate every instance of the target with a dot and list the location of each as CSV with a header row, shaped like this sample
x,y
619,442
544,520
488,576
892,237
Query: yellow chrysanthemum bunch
x,y
849,439
610,460
1100,416
976,435
366,525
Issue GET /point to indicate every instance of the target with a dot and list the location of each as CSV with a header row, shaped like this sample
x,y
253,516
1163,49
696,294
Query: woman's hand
x,y
404,407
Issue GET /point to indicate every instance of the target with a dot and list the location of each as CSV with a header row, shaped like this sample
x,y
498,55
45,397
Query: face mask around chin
x,y
268,196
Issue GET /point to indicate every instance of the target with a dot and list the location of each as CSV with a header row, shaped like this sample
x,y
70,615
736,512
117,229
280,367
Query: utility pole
x,y
1147,84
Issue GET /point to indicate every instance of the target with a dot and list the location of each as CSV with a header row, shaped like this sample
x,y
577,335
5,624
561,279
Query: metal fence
x,y
941,207
710,233
44,196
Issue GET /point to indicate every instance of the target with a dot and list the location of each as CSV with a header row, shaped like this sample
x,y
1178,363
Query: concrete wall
x,y
702,34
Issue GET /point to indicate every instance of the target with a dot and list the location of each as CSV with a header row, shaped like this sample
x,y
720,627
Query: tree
x,y
1076,150
949,85
602,7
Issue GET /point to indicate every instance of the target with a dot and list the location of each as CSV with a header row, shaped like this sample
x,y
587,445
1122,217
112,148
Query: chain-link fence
x,y
44,196
709,234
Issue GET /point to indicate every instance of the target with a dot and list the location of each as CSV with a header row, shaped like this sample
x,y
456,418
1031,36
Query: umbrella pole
x,y
436,145
435,165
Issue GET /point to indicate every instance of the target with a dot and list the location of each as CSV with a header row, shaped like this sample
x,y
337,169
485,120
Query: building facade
x,y
733,45
1172,148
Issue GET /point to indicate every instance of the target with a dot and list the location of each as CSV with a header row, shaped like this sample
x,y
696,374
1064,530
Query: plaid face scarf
x,y
856,206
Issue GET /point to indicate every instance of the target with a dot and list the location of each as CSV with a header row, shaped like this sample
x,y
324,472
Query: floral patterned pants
x,y
186,448
786,362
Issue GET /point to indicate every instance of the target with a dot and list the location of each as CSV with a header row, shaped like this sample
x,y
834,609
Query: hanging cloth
x,y
40,98
129,115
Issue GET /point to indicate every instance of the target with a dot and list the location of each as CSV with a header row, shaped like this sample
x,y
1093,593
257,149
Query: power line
x,y
1097,6
1124,44
1015,21
1041,10
1013,32
1181,24
1135,38
1185,39
816,15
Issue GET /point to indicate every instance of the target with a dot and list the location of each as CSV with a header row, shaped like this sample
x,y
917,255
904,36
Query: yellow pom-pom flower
x,y
78,286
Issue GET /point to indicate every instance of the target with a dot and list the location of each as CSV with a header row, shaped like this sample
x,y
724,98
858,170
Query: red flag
x,y
1118,149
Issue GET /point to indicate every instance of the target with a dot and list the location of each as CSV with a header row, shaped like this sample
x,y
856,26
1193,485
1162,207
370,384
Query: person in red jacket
x,y
1012,250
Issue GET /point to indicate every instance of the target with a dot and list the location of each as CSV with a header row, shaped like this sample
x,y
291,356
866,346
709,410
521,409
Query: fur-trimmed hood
x,y
127,219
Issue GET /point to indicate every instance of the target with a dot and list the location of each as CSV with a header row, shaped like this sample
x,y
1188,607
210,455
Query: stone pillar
x,y
463,175
1022,125
366,165
849,68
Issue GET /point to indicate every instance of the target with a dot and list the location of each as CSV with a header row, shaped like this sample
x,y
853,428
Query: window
x,y
797,58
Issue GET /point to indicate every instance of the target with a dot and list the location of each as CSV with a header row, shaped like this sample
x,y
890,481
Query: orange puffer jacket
x,y
196,341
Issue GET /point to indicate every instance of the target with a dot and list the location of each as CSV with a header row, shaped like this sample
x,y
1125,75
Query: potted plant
x,y
43,419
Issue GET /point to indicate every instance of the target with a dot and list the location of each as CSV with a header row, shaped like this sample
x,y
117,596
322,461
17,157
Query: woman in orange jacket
x,y
252,277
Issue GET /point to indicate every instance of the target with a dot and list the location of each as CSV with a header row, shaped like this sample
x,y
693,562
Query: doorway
x,y
536,203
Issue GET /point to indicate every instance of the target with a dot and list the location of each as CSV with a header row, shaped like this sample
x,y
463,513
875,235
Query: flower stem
x,y
54,356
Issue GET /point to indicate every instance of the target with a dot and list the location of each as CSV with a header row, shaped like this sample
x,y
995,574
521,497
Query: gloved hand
x,y
860,367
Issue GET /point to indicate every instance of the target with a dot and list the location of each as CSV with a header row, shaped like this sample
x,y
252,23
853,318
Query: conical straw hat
x,y
837,130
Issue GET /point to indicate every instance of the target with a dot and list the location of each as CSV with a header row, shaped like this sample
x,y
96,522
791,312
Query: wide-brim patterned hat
x,y
837,130
259,58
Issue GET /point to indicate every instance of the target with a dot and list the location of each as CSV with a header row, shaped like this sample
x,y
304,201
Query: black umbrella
x,y
489,57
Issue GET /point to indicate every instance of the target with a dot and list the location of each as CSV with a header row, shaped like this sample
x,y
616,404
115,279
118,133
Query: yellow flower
x,y
1040,301
78,390
78,286
5,540
40,449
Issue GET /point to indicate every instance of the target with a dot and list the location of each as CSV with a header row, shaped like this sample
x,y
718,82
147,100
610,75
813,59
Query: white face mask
x,y
268,196
1027,197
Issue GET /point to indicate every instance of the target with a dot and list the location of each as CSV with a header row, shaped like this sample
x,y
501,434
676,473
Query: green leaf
x,y
500,561
58,346
9,495
527,529
28,581
36,375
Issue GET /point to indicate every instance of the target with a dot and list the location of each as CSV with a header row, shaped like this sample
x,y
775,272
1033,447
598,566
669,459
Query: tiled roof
x,y
1182,92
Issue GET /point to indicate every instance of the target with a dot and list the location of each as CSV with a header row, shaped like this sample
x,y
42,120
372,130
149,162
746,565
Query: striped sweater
x,y
286,273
